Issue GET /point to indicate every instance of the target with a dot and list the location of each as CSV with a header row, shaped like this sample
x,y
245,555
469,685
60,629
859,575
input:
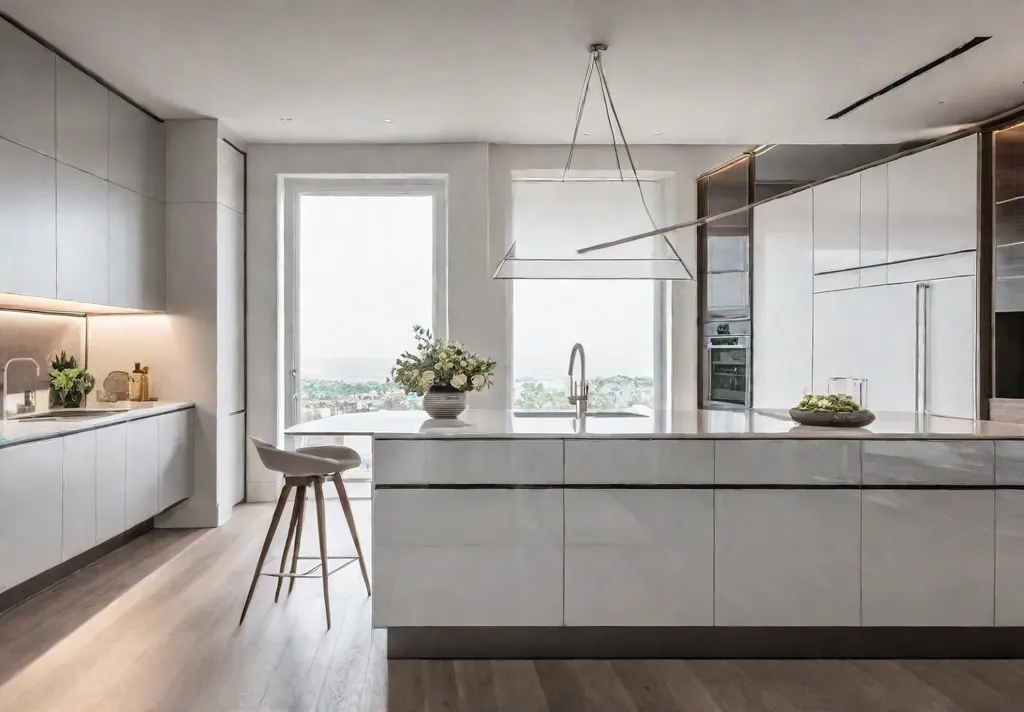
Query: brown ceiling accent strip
x,y
966,47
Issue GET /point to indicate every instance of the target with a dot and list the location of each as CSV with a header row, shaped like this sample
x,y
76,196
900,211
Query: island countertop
x,y
691,424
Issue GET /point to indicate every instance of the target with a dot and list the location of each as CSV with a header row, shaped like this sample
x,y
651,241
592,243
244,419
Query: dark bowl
x,y
856,419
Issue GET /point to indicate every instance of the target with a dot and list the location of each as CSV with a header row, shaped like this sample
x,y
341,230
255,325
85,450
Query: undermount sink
x,y
68,414
572,414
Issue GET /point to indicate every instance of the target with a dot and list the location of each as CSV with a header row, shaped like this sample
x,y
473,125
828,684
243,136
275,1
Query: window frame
x,y
291,189
662,309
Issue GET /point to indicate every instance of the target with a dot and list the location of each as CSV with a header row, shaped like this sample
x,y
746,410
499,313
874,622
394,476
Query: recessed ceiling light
x,y
388,121
586,133
285,119
657,133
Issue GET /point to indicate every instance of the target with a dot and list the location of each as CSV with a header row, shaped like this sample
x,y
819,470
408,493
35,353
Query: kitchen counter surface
x,y
695,424
15,432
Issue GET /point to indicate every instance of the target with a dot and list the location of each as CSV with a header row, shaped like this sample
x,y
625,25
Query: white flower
x,y
458,380
427,377
478,381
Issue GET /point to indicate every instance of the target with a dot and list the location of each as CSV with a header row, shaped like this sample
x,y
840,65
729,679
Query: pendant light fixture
x,y
661,262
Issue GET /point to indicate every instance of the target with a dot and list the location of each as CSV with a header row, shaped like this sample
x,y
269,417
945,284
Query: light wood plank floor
x,y
154,627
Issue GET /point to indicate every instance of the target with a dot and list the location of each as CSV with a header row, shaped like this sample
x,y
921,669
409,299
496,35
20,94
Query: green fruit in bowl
x,y
831,403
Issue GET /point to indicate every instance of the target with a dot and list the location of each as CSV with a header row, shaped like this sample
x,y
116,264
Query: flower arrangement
x,y
441,366
69,384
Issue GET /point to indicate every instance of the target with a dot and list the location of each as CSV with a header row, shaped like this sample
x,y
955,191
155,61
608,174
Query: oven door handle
x,y
722,347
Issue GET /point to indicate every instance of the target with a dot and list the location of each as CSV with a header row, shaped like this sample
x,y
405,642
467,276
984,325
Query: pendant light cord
x,y
612,116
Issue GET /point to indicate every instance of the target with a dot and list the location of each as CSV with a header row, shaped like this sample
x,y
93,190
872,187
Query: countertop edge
x,y
113,419
824,435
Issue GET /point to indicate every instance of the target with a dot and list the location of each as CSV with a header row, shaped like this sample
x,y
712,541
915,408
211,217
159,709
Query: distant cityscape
x,y
324,397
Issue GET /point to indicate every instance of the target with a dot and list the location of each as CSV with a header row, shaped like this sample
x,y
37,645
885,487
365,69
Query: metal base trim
x,y
702,642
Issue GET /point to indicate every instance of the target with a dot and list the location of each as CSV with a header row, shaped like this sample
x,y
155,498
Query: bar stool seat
x,y
309,467
345,456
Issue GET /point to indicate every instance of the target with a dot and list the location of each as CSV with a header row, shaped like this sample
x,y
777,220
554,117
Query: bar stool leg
x,y
321,522
281,501
300,503
287,545
346,507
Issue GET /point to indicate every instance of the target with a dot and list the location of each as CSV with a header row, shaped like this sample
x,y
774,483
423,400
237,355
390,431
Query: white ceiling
x,y
711,71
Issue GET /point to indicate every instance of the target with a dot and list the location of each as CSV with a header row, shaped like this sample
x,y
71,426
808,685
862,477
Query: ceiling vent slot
x,y
966,47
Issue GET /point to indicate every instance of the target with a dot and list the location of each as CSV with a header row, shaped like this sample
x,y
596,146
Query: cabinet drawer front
x,y
955,462
467,558
639,558
30,510
1009,558
468,462
111,454
79,476
807,462
928,558
787,558
639,462
1009,462
142,474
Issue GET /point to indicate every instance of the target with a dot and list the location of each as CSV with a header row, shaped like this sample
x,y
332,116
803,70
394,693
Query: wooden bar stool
x,y
308,467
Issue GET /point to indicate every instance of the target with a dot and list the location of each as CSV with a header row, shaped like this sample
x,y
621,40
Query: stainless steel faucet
x,y
579,391
7,366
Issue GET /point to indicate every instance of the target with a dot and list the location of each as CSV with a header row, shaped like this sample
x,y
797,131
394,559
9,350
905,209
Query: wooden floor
x,y
154,626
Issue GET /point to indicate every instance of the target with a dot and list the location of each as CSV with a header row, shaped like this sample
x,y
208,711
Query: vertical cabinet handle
x,y
921,347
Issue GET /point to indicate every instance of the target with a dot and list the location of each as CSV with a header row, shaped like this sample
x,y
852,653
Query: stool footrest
x,y
312,572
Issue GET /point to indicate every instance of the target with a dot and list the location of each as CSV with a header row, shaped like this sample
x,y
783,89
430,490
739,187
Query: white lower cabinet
x,y
78,532
634,462
142,471
175,458
467,557
787,558
30,510
928,558
111,454
1010,557
639,557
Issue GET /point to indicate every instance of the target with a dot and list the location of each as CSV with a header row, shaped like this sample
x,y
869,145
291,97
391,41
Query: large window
x,y
365,278
619,322
367,265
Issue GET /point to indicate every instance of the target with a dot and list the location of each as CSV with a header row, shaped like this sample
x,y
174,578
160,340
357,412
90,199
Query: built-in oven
x,y
727,364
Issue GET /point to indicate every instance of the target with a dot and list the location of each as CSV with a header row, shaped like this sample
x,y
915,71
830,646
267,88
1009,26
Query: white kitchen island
x,y
703,533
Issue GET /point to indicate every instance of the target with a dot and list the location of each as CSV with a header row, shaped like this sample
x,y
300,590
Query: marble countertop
x,y
693,424
14,432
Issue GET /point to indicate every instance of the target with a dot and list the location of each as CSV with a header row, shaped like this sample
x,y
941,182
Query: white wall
x,y
479,203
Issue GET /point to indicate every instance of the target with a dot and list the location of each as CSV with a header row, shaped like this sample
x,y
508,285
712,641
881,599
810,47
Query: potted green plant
x,y
442,373
69,384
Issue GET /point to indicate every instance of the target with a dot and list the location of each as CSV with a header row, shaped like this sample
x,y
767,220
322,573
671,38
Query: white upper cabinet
x,y
837,224
951,367
83,125
933,201
868,333
874,216
783,282
28,237
136,149
27,88
231,309
136,254
82,237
